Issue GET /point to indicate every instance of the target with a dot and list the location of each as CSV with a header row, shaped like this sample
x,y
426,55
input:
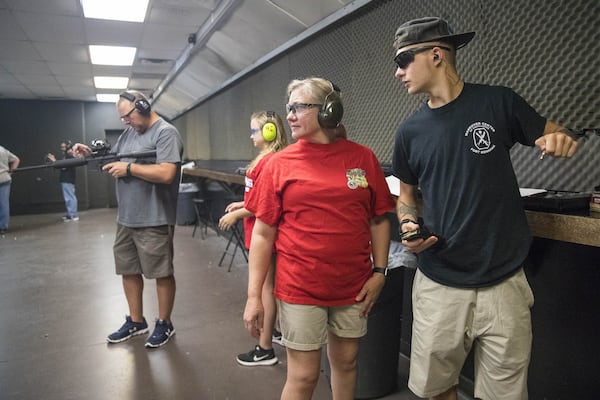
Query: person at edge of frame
x,y
470,288
8,163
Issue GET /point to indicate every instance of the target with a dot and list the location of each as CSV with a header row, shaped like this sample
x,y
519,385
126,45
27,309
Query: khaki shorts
x,y
448,321
305,327
147,251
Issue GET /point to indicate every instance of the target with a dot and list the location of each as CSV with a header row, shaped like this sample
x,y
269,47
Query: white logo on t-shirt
x,y
482,138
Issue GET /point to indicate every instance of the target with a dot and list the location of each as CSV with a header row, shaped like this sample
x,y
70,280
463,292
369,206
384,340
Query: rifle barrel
x,y
77,162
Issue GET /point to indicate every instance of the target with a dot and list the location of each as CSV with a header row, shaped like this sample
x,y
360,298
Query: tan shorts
x,y
448,321
146,251
305,327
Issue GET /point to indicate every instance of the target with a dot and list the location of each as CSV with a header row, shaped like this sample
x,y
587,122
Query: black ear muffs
x,y
269,129
331,111
140,104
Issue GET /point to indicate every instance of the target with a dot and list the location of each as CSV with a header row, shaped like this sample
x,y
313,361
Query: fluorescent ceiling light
x,y
110,82
128,10
112,55
107,98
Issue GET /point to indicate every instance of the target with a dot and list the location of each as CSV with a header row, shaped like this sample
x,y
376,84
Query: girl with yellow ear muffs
x,y
268,135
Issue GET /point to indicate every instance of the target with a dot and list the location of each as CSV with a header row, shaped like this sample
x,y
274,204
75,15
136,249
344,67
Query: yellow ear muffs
x,y
269,131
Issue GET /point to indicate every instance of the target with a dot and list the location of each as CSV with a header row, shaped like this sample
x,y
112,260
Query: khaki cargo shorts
x,y
305,327
147,251
448,321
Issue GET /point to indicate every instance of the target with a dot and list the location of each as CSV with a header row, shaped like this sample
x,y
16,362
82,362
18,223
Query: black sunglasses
x,y
404,59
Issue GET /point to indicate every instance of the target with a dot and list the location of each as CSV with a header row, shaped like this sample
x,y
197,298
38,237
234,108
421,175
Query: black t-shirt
x,y
68,175
459,156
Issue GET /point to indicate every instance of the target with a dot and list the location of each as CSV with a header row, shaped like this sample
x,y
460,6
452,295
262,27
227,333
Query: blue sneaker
x,y
128,330
161,335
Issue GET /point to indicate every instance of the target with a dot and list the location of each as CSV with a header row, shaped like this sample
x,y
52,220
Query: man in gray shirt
x,y
147,197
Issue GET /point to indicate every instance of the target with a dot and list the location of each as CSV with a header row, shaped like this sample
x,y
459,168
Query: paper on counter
x,y
526,192
188,165
393,184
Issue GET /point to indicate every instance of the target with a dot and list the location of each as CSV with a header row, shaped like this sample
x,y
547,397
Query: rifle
x,y
100,154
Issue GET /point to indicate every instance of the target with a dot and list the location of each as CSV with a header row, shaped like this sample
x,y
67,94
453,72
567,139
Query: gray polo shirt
x,y
142,203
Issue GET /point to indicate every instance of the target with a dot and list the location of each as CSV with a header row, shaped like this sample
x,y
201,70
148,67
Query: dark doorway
x,y
111,136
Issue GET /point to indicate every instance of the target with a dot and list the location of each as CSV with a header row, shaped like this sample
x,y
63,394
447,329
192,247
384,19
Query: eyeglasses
x,y
127,116
253,131
404,59
301,107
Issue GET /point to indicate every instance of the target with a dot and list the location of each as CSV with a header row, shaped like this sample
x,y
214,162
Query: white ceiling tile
x,y
27,67
35,79
113,33
53,7
52,91
60,52
109,70
74,81
18,50
72,69
80,91
7,79
10,91
9,29
52,28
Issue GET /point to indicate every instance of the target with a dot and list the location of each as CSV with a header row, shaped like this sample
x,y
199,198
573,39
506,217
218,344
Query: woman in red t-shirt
x,y
324,208
268,135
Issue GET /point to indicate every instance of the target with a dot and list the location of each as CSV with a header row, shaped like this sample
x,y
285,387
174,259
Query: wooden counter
x,y
224,172
565,228
221,176
561,227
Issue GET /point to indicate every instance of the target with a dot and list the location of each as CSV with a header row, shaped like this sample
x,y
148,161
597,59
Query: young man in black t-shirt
x,y
67,182
470,287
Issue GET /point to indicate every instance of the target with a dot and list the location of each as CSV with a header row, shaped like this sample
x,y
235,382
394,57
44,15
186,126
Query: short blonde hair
x,y
318,90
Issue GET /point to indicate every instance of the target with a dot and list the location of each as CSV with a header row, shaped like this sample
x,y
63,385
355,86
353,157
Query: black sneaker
x,y
277,337
128,330
258,356
161,335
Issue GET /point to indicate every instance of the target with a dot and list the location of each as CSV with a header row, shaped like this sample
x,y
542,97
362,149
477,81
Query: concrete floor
x,y
59,299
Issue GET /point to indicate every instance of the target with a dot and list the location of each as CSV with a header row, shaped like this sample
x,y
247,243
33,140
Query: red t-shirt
x,y
251,179
322,198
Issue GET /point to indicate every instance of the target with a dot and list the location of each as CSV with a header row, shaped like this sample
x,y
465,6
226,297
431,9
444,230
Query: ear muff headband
x,y
269,129
332,111
141,104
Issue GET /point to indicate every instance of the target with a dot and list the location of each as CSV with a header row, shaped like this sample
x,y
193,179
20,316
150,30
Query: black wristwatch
x,y
381,270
